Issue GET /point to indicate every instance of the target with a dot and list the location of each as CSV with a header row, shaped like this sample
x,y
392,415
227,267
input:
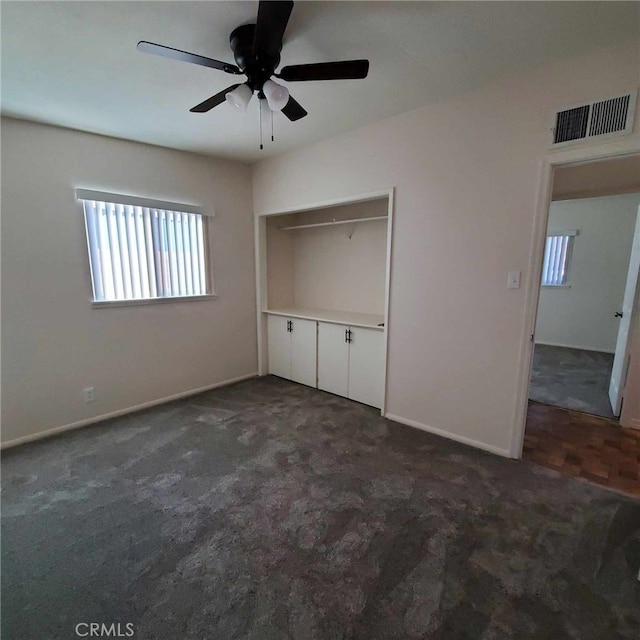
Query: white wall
x,y
333,271
582,315
54,343
466,176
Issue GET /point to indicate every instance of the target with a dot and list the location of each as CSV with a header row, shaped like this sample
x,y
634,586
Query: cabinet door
x,y
366,366
333,358
279,340
304,345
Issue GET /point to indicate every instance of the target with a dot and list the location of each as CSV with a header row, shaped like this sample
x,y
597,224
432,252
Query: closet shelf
x,y
331,223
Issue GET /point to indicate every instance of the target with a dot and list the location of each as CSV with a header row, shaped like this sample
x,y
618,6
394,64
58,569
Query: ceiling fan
x,y
256,49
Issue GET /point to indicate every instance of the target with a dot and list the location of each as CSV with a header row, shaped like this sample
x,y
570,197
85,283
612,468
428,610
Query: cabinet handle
x,y
347,335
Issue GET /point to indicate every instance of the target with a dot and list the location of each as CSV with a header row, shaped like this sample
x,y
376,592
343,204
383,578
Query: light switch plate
x,y
514,280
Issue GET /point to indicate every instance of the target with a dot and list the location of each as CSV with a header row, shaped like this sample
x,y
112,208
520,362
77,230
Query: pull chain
x,y
271,125
261,145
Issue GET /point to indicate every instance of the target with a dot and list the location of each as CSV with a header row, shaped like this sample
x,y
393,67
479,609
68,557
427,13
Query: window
x,y
141,249
557,257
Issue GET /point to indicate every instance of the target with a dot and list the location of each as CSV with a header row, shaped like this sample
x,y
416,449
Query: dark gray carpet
x,y
268,510
572,379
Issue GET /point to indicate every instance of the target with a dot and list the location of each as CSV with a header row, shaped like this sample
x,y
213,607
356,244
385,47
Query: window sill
x,y
556,286
147,301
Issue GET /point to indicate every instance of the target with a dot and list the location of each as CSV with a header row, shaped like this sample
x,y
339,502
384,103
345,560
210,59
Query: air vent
x,y
611,116
571,124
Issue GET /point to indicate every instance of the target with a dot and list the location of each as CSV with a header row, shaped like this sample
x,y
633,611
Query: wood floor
x,y
584,446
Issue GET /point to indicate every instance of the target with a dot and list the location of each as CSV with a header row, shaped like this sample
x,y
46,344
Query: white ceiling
x,y
75,64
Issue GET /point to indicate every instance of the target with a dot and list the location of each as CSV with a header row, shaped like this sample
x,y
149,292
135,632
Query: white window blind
x,y
557,256
139,252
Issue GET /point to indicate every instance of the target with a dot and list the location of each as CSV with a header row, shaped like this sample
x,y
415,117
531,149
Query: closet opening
x,y
323,275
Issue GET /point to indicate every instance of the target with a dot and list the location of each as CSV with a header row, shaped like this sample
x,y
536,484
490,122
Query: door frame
x,y
582,154
260,248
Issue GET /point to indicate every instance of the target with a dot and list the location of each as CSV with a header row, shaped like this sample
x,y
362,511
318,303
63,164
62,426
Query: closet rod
x,y
332,222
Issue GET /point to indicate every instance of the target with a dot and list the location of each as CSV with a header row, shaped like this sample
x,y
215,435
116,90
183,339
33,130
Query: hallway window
x,y
557,257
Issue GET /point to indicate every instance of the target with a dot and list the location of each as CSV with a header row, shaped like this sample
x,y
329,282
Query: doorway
x,y
589,274
584,315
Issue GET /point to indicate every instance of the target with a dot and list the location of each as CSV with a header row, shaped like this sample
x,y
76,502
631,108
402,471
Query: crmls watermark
x,y
102,630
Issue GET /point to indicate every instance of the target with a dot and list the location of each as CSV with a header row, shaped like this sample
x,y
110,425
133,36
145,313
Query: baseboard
x,y
450,436
634,423
574,346
121,412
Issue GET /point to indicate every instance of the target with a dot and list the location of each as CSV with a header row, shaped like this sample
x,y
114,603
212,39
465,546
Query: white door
x,y
304,346
366,366
333,358
620,360
279,341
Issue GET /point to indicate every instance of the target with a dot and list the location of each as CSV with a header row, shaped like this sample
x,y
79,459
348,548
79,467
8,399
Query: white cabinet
x,y
279,346
343,359
292,348
351,362
333,358
304,349
366,366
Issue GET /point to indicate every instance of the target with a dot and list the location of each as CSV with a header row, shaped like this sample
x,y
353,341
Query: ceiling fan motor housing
x,y
258,67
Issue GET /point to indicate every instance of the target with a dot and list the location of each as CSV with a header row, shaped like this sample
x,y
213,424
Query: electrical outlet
x,y
89,394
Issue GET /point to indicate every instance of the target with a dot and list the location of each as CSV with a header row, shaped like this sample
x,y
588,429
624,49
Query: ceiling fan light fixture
x,y
277,96
239,98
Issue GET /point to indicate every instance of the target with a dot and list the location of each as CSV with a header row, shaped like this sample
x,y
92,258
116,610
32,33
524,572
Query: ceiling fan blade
x,y
273,16
185,56
293,110
346,70
213,101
